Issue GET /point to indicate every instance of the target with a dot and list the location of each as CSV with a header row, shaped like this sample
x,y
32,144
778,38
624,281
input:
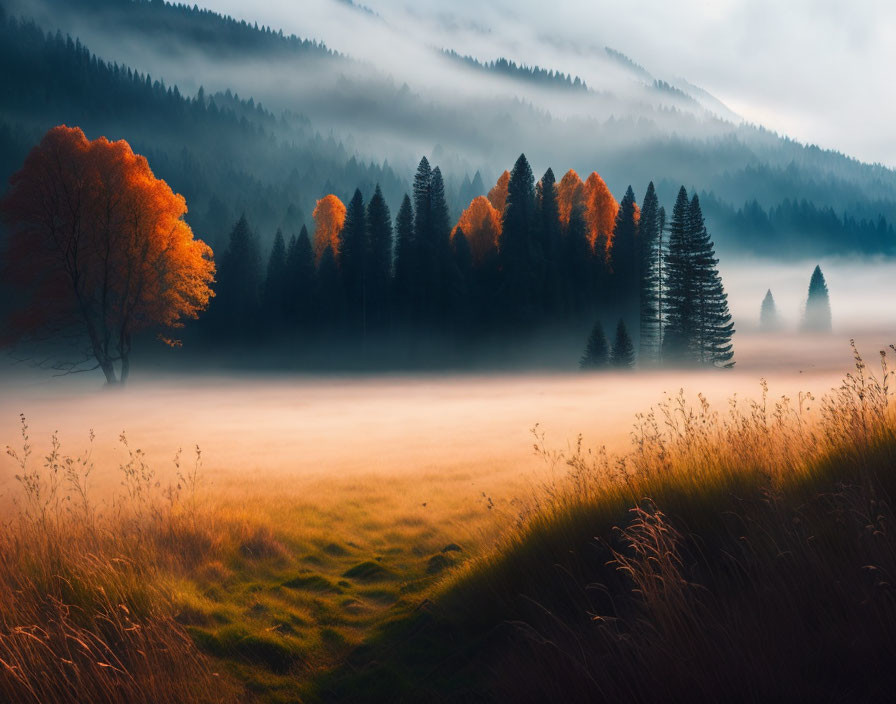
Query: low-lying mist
x,y
467,432
862,291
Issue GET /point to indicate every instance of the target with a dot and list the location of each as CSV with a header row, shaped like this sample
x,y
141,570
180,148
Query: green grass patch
x,y
312,583
369,571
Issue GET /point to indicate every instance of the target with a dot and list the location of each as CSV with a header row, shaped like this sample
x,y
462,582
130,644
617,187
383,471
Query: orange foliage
x,y
329,216
498,195
570,192
100,242
600,210
481,223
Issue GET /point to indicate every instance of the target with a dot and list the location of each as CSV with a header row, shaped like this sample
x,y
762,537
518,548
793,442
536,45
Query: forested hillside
x,y
166,78
226,155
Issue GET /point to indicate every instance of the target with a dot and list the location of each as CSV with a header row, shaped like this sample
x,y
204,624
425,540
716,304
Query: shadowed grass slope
x,y
743,557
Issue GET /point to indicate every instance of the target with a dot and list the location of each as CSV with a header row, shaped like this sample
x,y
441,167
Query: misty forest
x,y
414,353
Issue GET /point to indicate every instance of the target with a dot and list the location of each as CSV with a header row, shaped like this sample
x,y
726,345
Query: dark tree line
x,y
534,74
682,306
420,275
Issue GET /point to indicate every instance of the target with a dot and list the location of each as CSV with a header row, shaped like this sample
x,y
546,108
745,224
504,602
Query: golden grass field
x,y
322,510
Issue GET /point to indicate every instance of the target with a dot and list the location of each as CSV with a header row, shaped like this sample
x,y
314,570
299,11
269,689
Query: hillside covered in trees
x,y
166,78
225,154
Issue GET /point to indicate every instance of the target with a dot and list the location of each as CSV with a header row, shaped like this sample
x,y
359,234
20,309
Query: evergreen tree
x,y
650,255
768,314
300,276
463,193
817,317
625,262
379,235
275,300
518,251
293,219
714,326
461,280
234,310
622,355
403,281
477,187
354,258
440,259
422,256
422,182
547,223
681,285
661,251
596,355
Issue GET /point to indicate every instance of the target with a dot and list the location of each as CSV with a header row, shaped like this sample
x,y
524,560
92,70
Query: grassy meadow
x,y
720,551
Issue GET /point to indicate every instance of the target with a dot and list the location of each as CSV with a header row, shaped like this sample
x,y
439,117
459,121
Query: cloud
x,y
816,70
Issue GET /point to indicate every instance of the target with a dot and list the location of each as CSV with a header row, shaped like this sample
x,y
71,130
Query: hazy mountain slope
x,y
219,151
478,114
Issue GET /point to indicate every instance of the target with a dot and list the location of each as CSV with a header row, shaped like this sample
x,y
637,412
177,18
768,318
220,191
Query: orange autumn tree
x,y
99,248
600,212
570,192
329,216
481,223
498,195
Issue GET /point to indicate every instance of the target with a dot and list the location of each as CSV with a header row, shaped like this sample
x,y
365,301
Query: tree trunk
x,y
124,352
125,367
109,370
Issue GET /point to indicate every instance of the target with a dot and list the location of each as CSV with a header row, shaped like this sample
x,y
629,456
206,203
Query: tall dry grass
x,y
85,615
744,554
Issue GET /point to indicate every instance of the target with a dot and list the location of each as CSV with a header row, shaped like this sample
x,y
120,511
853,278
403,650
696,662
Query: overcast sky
x,y
817,70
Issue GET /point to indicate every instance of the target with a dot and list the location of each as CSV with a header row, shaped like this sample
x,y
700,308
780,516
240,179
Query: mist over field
x,y
464,433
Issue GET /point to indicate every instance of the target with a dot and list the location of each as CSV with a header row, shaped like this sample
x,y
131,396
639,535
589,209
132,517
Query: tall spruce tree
x,y
354,258
275,299
477,187
650,255
662,250
440,261
768,313
551,242
379,237
597,354
290,304
402,284
817,317
234,310
714,326
622,356
463,192
461,281
681,284
422,257
625,260
300,273
518,251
